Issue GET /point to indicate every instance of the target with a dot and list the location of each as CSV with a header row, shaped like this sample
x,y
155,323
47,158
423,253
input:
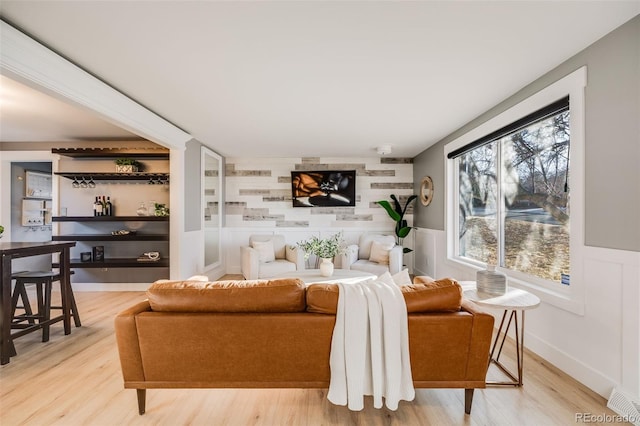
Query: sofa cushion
x,y
323,298
276,295
443,295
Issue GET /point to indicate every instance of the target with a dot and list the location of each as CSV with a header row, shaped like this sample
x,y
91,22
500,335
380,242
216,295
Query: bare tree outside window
x,y
518,216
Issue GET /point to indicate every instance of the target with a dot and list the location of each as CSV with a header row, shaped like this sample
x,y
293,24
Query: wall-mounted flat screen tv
x,y
326,188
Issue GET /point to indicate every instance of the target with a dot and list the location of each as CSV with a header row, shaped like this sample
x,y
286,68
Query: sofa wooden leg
x,y
468,399
142,394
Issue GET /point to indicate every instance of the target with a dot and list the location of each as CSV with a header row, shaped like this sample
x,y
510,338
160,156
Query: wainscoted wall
x,y
600,348
258,200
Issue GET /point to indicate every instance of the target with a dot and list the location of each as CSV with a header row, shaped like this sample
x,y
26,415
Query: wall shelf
x,y
99,153
119,263
107,237
110,218
115,176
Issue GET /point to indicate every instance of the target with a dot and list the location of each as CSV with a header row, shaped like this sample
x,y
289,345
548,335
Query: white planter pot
x,y
326,267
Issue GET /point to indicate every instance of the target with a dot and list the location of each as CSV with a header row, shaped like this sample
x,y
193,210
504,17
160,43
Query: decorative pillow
x,y
276,295
387,278
402,278
266,252
380,252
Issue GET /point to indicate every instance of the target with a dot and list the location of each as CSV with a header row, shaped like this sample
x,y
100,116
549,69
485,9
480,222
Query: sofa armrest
x,y
395,259
480,343
296,255
128,344
349,256
249,262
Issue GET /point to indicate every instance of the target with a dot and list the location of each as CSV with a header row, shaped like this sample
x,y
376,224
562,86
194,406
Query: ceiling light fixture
x,y
384,149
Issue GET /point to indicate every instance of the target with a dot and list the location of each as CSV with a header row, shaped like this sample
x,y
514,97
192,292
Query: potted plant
x,y
1,230
325,249
126,165
397,212
161,209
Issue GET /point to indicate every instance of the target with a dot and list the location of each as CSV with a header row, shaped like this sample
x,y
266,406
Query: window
x,y
513,195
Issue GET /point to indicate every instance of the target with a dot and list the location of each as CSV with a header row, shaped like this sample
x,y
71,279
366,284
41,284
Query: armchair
x,y
267,256
385,255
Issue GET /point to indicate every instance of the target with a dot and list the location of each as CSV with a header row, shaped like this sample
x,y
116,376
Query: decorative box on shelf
x,y
127,168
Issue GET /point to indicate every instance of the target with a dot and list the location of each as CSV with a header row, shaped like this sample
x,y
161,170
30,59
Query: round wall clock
x,y
426,190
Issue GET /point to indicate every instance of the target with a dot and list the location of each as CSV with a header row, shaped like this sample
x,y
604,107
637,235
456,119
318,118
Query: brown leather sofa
x,y
277,334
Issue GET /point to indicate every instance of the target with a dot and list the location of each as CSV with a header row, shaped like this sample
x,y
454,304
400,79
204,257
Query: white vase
x,y
326,267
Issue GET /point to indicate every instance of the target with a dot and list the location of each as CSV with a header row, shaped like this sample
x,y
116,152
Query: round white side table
x,y
513,301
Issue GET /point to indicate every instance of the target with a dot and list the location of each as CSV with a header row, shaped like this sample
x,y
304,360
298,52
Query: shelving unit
x,y
148,233
115,262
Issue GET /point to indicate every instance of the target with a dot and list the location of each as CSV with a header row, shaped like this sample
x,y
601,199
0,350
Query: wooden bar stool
x,y
43,280
20,292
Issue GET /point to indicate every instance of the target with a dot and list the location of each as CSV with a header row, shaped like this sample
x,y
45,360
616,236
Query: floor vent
x,y
625,406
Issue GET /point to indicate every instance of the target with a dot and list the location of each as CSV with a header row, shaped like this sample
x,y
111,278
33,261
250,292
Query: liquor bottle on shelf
x,y
97,207
103,201
109,207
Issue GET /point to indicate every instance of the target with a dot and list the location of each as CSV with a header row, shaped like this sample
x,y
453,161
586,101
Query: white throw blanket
x,y
370,347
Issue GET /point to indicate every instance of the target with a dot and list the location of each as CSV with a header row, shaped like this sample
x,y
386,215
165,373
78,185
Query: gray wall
x,y
612,164
192,184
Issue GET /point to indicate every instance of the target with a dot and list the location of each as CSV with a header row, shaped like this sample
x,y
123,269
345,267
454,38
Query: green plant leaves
x,y
392,213
397,213
403,232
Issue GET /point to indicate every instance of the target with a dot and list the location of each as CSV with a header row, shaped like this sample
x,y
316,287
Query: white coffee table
x,y
513,301
312,276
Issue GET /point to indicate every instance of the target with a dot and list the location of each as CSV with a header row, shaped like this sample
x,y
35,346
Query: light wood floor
x,y
76,380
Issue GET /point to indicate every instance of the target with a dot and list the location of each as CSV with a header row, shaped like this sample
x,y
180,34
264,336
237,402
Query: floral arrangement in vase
x,y
323,248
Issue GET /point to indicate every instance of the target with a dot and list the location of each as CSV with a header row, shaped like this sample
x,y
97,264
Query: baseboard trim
x,y
575,368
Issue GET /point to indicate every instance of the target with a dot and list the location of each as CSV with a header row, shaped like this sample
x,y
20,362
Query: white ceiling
x,y
27,115
282,79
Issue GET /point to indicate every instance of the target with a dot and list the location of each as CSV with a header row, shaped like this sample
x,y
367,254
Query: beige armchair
x,y
375,253
267,256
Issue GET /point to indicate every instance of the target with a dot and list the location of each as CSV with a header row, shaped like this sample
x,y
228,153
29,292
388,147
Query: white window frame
x,y
570,298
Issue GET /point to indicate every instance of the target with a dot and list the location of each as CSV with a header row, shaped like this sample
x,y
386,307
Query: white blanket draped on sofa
x,y
370,347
